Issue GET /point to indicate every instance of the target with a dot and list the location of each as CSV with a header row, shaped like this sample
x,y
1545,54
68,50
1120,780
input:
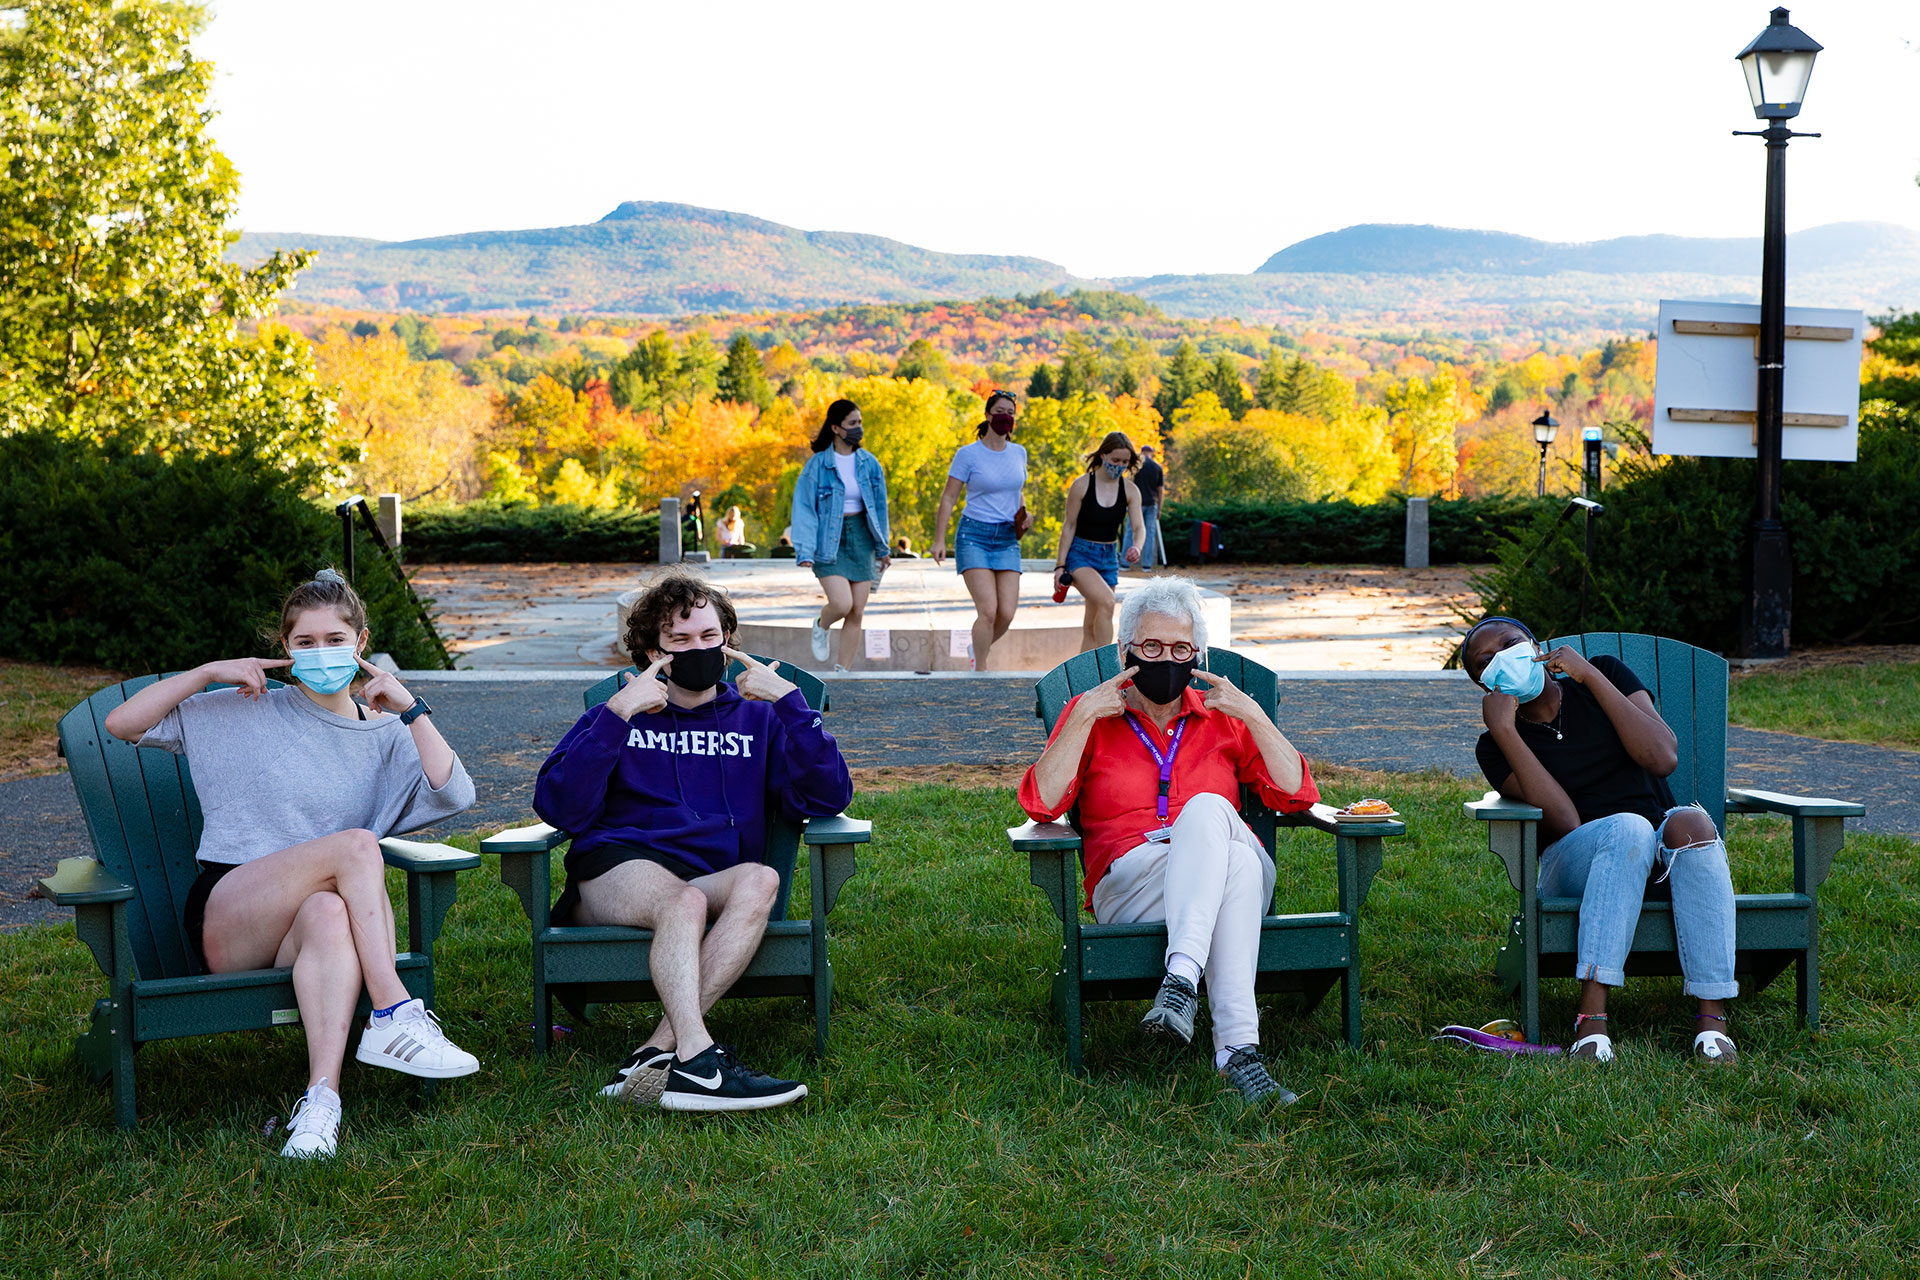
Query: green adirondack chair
x,y
144,820
590,965
1771,930
1305,952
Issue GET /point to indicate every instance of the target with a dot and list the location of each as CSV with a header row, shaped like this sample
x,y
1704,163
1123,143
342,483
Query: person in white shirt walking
x,y
840,528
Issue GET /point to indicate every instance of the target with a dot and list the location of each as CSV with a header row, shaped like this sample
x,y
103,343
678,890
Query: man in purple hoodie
x,y
667,787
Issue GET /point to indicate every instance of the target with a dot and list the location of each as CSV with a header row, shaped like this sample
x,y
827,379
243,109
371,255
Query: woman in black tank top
x,y
1090,524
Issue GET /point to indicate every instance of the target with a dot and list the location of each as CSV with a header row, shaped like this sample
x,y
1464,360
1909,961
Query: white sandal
x,y
1715,1047
1599,1041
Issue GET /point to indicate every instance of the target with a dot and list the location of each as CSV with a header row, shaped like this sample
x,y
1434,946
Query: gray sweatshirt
x,y
282,770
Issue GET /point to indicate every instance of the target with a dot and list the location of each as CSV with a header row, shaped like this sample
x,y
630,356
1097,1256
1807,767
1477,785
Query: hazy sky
x,y
1113,138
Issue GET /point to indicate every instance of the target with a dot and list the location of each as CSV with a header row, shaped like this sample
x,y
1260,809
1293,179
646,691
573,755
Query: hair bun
x,y
330,576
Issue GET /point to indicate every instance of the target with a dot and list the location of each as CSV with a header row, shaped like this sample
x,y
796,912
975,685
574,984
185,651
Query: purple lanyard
x,y
1164,761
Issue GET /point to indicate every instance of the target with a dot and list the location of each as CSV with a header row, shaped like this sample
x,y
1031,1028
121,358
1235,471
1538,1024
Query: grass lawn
x,y
33,697
944,1138
1858,701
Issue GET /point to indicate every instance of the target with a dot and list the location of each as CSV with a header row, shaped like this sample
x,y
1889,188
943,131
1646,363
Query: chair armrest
x,y
82,881
1034,837
1494,807
1748,800
415,857
839,829
1320,818
538,838
831,864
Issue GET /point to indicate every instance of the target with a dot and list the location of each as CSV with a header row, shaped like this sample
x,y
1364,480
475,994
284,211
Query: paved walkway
x,y
1293,618
504,729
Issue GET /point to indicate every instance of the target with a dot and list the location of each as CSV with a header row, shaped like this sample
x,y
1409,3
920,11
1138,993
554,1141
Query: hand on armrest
x,y
538,838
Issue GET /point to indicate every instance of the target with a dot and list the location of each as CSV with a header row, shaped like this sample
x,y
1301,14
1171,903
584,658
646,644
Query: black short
x,y
194,918
601,859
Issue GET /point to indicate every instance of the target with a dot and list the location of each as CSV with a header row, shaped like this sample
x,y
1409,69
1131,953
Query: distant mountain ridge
x,y
1406,249
659,258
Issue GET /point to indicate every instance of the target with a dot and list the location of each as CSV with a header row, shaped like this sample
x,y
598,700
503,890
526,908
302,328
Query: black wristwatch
x,y
414,712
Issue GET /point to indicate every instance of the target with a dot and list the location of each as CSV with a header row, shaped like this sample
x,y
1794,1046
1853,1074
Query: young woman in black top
x,y
1588,748
1097,501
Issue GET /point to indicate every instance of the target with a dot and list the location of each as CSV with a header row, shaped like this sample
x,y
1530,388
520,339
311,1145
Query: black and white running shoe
x,y
640,1078
715,1080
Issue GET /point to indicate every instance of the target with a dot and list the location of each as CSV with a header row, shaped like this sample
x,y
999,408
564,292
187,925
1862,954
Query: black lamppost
x,y
1545,428
1778,64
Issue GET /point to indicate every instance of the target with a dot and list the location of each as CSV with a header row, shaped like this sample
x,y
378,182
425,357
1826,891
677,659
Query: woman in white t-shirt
x,y
298,785
986,547
840,527
733,528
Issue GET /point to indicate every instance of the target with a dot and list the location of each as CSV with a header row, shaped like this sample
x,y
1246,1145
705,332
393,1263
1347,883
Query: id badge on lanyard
x,y
1164,832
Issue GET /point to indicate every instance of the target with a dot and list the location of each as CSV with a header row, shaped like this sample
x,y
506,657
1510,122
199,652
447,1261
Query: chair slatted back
x,y
145,822
1689,686
783,833
1083,671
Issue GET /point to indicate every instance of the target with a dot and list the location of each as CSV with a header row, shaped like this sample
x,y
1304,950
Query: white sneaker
x,y
313,1131
821,641
411,1040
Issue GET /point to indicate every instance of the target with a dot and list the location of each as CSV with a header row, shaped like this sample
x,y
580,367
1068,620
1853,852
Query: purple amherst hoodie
x,y
693,784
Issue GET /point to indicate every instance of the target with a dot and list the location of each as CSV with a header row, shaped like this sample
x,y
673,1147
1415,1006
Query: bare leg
x,y
690,971
986,608
839,600
326,981
850,632
1096,628
252,910
1007,595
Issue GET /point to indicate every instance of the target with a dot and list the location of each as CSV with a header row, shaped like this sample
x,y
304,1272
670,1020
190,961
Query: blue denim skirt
x,y
855,561
1101,557
978,544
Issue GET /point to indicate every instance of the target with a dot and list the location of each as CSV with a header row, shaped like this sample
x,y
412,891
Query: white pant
x,y
1211,883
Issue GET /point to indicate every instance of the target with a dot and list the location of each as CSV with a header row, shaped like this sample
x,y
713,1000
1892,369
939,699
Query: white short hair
x,y
1170,596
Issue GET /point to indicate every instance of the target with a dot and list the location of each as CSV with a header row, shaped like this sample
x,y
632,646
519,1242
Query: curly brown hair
x,y
674,594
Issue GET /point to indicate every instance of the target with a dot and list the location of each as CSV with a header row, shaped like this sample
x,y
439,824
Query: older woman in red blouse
x,y
1155,768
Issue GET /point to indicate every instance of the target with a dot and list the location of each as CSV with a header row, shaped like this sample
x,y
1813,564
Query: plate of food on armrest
x,y
1368,810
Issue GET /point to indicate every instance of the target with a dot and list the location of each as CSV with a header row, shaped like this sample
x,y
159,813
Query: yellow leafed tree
x,y
411,427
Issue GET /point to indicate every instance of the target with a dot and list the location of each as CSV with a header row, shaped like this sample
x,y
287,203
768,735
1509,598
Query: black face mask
x,y
698,670
1161,682
852,435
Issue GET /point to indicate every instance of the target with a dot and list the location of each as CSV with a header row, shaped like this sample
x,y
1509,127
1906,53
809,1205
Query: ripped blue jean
x,y
1605,863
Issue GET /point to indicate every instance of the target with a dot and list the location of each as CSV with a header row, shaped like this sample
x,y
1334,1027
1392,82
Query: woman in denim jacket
x,y
840,527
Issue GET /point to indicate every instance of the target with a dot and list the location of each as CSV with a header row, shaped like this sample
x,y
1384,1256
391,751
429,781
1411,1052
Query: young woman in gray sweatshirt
x,y
298,784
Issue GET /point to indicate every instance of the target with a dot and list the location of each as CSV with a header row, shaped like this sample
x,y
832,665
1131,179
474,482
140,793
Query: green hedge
x,y
497,533
1670,558
1459,531
148,563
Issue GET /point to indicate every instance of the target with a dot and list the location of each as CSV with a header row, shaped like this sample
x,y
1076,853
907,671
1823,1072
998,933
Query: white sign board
x,y
879,643
1705,376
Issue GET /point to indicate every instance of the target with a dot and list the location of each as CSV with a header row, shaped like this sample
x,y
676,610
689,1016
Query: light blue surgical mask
x,y
1513,670
327,670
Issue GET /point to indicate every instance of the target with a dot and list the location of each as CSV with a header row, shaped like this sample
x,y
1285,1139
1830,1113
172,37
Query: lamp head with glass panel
x,y
1778,63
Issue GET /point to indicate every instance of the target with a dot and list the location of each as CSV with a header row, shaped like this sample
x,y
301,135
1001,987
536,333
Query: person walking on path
x,y
840,528
668,787
298,785
1589,749
992,471
1097,501
1150,480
